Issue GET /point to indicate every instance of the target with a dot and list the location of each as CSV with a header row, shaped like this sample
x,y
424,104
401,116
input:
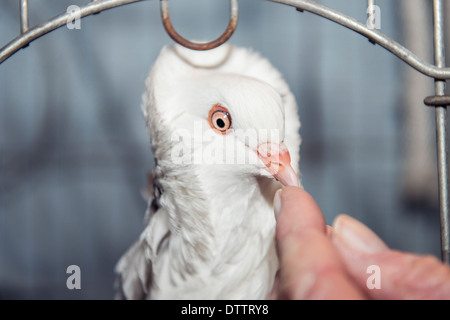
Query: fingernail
x,y
356,235
277,203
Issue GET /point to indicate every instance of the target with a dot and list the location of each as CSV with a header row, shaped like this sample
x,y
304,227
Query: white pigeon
x,y
210,226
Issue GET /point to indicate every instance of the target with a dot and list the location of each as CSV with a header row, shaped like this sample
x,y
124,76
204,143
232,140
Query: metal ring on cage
x,y
200,45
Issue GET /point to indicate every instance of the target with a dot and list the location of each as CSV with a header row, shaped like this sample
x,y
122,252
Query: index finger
x,y
310,266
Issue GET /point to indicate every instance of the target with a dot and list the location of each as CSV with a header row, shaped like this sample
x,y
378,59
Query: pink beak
x,y
277,159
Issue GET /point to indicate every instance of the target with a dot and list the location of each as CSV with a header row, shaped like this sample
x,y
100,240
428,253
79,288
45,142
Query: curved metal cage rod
x,y
28,35
311,6
373,35
200,45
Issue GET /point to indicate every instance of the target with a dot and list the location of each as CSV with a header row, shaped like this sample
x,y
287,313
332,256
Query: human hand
x,y
320,262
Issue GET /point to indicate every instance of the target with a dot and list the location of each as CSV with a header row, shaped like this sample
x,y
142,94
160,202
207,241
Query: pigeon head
x,y
215,114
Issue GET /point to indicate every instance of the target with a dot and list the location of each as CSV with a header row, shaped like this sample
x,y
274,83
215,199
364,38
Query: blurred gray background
x,y
74,150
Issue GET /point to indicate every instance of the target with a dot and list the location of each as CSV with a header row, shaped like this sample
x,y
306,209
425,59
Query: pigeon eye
x,y
219,119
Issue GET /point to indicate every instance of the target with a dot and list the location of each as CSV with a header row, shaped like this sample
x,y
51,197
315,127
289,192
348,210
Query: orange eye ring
x,y
219,119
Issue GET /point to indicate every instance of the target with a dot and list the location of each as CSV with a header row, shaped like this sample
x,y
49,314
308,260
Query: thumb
x,y
388,274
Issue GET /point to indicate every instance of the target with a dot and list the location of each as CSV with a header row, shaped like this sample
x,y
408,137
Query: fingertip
x,y
296,197
297,209
293,190
283,193
355,235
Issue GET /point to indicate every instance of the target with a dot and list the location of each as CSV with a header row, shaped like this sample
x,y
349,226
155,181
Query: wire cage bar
x,y
441,129
23,16
28,35
438,71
